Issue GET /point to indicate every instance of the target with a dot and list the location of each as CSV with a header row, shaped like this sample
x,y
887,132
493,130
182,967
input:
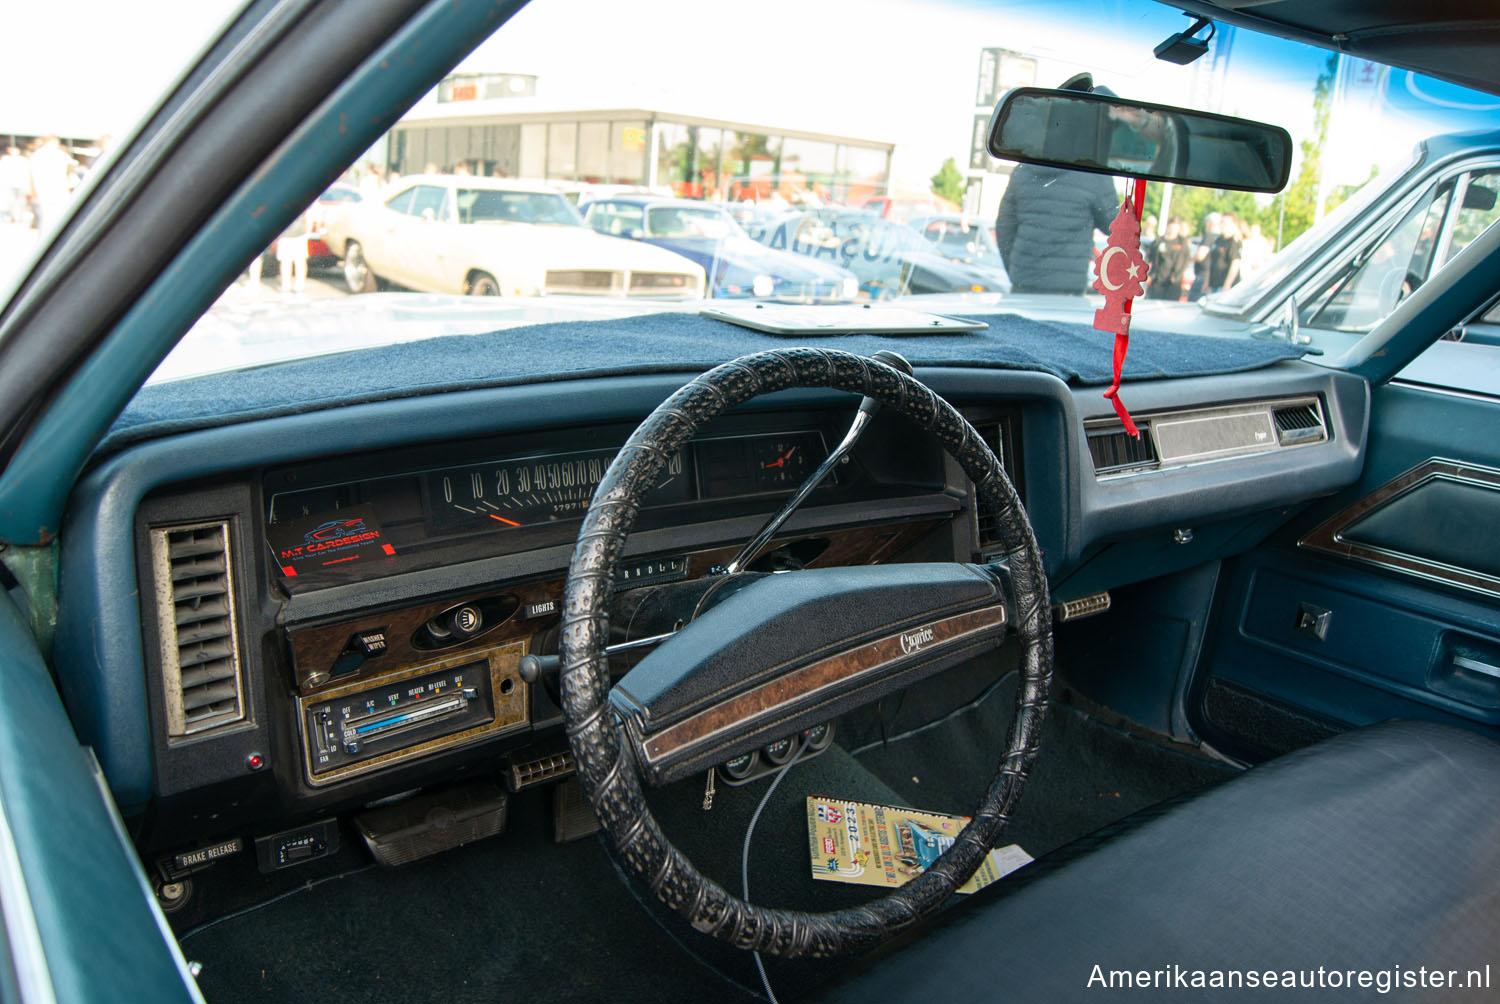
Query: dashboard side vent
x,y
1114,449
1298,423
994,438
202,676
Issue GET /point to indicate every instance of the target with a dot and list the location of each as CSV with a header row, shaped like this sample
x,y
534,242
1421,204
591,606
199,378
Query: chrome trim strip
x,y
1467,395
1327,537
23,939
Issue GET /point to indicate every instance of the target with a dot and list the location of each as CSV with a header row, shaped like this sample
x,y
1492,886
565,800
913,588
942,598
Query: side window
x,y
1445,221
401,203
1465,359
430,197
1368,288
1477,210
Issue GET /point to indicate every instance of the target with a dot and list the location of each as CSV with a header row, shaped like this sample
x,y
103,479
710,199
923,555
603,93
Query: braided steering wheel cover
x,y
605,765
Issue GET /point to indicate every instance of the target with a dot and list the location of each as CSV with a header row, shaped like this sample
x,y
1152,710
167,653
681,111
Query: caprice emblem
x,y
911,641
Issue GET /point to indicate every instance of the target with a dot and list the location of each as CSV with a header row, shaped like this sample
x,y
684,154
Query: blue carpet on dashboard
x,y
655,343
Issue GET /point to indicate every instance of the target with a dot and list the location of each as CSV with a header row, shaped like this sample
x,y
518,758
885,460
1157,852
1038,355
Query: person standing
x,y
1201,249
1224,256
1045,227
1256,252
15,185
51,168
1169,261
291,255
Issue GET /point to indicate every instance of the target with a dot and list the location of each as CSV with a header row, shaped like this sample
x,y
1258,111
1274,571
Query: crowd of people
x,y
35,184
1225,252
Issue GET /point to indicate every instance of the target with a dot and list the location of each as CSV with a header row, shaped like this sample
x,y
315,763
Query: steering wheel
x,y
724,684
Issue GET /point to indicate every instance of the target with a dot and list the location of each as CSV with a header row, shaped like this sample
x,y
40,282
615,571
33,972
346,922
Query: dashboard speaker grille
x,y
1113,449
202,678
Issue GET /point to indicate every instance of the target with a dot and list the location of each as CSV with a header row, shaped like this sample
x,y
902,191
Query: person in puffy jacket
x,y
1045,228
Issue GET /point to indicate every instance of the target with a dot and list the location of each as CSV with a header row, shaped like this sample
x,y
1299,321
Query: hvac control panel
x,y
386,719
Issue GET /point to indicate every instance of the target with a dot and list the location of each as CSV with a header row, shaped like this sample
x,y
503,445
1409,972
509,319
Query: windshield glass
x,y
479,205
855,193
961,239
679,221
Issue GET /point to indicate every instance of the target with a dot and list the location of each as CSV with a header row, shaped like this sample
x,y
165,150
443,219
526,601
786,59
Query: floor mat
x,y
1089,773
520,917
516,917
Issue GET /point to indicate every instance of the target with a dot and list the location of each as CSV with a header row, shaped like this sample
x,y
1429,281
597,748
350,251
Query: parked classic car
x,y
306,681
962,238
890,259
483,237
736,265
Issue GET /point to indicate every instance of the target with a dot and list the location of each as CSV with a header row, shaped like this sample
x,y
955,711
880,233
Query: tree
x,y
948,183
1300,200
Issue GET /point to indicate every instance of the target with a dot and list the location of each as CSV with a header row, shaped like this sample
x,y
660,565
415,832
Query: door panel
x,y
1383,602
96,921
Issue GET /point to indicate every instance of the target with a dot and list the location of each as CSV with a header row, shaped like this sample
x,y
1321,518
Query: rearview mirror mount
x,y
1103,134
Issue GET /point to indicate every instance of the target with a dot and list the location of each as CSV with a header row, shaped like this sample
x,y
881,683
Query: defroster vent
x,y
1298,423
202,677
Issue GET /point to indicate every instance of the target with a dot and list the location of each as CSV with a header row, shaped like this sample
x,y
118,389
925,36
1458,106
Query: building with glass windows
x,y
494,125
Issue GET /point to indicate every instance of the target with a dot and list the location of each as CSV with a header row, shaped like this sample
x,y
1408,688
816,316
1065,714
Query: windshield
x,y
478,205
961,239
856,191
680,221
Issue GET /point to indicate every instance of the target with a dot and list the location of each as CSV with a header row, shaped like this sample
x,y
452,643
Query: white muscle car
x,y
491,237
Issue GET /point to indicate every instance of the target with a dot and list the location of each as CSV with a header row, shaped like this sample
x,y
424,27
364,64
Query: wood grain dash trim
x,y
774,697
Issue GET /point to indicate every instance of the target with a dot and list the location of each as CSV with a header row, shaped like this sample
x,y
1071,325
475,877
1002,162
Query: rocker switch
x,y
1313,621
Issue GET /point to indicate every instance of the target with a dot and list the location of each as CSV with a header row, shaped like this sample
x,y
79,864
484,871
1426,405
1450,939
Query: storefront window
x,y
593,152
674,156
807,171
562,150
750,166
533,150
709,144
627,153
863,172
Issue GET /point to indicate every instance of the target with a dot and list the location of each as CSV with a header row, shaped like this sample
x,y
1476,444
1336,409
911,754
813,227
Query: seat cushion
x,y
1377,849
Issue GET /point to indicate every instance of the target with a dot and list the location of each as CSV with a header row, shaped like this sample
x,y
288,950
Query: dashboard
x,y
265,625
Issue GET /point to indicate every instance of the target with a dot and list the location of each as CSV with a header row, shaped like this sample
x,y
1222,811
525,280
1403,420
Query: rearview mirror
x,y
1101,134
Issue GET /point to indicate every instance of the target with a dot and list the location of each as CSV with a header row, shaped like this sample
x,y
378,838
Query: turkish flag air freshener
x,y
1121,277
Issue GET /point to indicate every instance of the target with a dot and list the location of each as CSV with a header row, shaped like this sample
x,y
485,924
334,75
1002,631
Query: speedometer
x,y
526,491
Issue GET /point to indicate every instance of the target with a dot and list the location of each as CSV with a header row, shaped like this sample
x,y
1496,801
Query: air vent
x,y
202,679
989,523
1114,449
1298,423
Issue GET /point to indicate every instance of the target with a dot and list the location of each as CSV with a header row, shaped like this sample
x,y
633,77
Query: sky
x,y
88,67
880,69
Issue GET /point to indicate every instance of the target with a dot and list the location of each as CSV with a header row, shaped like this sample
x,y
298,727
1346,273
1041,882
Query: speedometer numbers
x,y
530,491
